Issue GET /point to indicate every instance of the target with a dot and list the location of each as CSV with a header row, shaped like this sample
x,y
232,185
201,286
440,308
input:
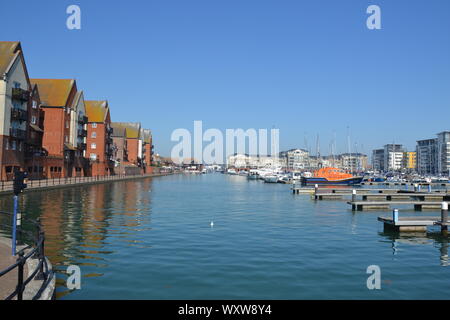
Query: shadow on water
x,y
79,222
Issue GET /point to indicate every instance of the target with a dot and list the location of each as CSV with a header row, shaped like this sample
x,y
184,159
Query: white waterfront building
x,y
254,161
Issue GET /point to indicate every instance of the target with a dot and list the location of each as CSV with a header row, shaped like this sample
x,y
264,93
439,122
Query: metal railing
x,y
35,250
51,182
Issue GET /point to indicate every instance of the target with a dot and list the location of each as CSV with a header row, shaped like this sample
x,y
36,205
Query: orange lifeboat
x,y
332,176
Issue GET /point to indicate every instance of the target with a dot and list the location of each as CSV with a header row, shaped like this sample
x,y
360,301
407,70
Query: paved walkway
x,y
8,282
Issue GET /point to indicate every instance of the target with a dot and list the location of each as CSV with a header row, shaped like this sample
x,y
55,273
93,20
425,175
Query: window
x,y
93,146
7,144
34,104
16,85
93,156
67,124
94,125
13,145
66,139
33,119
94,135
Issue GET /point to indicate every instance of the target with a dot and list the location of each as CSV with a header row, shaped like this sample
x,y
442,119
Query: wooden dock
x,y
386,196
385,205
409,224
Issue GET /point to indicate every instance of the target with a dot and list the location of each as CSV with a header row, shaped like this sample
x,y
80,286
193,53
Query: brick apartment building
x,y
132,142
100,147
34,153
64,127
147,150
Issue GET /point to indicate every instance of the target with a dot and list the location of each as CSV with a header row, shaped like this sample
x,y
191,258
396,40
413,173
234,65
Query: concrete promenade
x,y
6,187
8,282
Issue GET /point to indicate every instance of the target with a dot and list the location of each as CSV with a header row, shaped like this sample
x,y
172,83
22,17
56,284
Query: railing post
x,y
444,217
41,275
21,261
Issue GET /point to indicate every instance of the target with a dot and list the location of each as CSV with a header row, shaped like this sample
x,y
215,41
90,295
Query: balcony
x,y
18,133
83,119
81,146
19,114
82,133
20,94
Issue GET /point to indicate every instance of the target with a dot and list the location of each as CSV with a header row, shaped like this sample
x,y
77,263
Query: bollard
x,y
395,216
353,195
444,216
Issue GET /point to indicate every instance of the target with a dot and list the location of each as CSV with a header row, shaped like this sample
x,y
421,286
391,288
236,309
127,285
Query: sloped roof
x,y
118,130
96,110
147,135
54,92
8,51
132,128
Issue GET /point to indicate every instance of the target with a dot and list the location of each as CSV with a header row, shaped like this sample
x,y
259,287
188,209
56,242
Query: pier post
x,y
353,195
395,216
444,217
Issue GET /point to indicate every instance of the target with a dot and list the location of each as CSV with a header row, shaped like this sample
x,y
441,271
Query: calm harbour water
x,y
152,239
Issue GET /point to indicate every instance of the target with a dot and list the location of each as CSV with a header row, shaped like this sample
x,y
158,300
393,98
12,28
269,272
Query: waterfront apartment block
x,y
100,147
120,153
58,97
14,97
393,157
443,153
378,160
426,151
132,143
410,160
147,150
49,130
296,159
35,154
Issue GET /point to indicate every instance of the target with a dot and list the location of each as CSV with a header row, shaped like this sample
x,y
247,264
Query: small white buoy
x,y
212,224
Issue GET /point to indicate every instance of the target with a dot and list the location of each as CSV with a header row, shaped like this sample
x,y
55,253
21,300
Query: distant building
x,y
378,160
353,162
426,156
409,160
100,148
241,161
443,153
393,157
296,159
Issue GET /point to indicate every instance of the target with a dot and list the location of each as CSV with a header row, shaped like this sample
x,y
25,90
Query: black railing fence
x,y
56,181
33,247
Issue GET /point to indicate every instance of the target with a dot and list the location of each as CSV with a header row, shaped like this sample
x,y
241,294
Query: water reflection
x,y
81,223
436,239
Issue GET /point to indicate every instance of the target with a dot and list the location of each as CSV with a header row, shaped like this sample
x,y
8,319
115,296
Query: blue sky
x,y
306,67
